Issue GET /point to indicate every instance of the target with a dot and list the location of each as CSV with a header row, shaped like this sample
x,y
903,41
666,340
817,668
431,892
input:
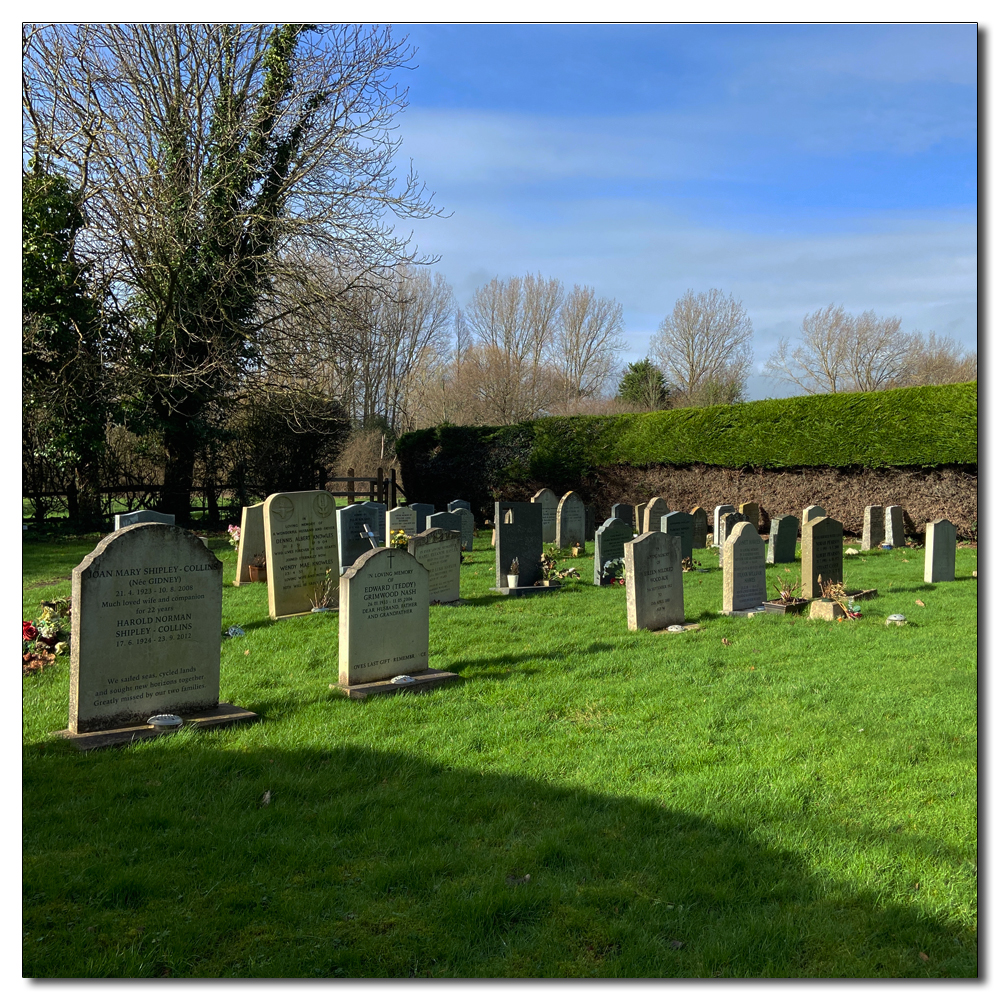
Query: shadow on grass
x,y
368,863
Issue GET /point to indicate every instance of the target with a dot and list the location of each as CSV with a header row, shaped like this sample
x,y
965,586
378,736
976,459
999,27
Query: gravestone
x,y
590,521
549,503
637,512
440,553
456,504
447,521
609,543
468,528
147,635
142,517
376,519
781,544
624,512
423,511
352,541
519,536
723,508
811,512
251,541
894,526
654,581
571,521
699,528
751,512
300,539
682,525
655,509
822,555
940,542
873,533
744,585
384,617
727,522
404,518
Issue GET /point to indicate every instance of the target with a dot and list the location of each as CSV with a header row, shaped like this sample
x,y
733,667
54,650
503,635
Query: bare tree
x,y
704,349
587,342
939,361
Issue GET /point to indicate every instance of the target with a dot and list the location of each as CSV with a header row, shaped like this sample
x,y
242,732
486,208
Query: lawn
x,y
766,797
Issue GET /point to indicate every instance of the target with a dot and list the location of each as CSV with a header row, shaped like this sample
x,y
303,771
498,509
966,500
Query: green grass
x,y
798,803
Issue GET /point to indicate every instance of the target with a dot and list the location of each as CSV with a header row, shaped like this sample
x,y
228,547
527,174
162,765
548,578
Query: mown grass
x,y
799,802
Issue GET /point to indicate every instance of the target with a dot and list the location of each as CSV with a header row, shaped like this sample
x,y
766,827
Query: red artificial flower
x,y
28,631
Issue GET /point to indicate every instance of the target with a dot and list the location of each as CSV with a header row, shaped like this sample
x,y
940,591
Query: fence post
x,y
377,486
350,486
392,474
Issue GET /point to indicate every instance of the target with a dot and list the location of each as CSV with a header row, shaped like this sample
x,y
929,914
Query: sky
x,y
790,165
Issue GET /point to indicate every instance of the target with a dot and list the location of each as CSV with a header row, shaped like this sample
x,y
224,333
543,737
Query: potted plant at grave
x,y
578,549
512,574
613,571
548,570
789,599
257,568
323,592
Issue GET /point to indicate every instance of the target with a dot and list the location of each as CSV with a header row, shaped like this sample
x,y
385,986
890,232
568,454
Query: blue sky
x,y
790,165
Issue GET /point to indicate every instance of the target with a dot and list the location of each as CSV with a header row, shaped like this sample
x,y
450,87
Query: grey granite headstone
x,y
656,508
518,528
468,528
894,533
682,525
727,521
811,512
351,539
624,512
439,552
699,527
423,511
147,628
571,521
940,543
142,517
448,521
723,508
654,581
549,502
454,505
744,585
781,544
822,555
873,533
609,543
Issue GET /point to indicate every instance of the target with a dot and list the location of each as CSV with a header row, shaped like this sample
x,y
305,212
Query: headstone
x,y
352,538
781,544
142,517
727,522
251,541
940,543
743,582
624,512
822,555
376,519
447,521
811,512
590,521
656,509
751,512
468,528
147,629
300,538
609,543
654,581
873,533
440,553
571,521
549,503
682,525
637,512
699,528
456,504
423,511
519,536
384,617
404,518
894,534
723,508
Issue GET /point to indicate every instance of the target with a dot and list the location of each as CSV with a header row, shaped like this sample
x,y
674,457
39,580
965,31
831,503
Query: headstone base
x,y
423,681
745,612
213,718
525,591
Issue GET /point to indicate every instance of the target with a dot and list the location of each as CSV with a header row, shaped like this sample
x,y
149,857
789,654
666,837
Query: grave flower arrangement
x,y
47,636
398,538
789,591
234,535
835,592
324,590
613,572
550,573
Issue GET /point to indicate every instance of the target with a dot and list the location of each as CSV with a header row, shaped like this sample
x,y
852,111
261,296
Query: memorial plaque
x,y
654,581
440,553
682,525
251,542
873,533
655,510
744,584
940,543
384,617
142,517
751,512
894,533
300,537
822,555
571,521
404,518
624,512
423,511
609,544
456,504
518,527
147,628
699,528
781,544
549,503
723,508
811,512
727,521
352,541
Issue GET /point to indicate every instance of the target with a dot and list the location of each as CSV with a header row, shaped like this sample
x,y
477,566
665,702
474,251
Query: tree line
x,y
214,291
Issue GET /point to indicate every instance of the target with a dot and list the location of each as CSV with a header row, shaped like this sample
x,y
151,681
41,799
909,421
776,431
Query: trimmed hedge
x,y
923,426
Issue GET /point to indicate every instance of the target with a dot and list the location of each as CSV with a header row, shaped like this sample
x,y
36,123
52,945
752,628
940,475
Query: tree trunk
x,y
178,474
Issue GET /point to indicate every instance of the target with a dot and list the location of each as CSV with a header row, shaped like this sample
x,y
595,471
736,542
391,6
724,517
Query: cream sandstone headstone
x,y
822,555
251,541
440,552
751,511
655,509
549,503
400,517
